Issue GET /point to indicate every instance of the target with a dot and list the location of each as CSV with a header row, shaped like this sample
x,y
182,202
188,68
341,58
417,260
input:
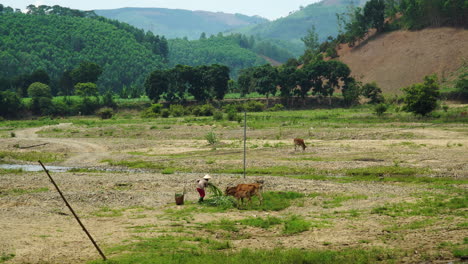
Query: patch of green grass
x,y
385,171
274,171
223,224
418,224
137,164
295,224
460,252
45,157
109,212
196,250
11,171
434,205
168,171
5,257
22,191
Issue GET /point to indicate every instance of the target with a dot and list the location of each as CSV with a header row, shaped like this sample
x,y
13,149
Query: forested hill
x,y
288,31
178,23
57,43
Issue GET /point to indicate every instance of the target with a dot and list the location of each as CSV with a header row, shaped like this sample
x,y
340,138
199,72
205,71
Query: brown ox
x,y
299,142
242,191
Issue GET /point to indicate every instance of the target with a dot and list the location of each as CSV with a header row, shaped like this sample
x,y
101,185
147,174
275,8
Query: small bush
x,y
165,113
177,110
380,109
277,107
218,116
254,106
211,138
105,113
234,116
207,110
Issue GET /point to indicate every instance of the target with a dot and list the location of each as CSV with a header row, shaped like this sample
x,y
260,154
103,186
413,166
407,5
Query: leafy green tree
x,y
200,86
10,104
245,81
86,89
351,91
38,89
219,80
41,96
87,72
265,80
287,80
303,77
421,98
373,92
462,83
156,84
374,12
108,99
355,25
311,41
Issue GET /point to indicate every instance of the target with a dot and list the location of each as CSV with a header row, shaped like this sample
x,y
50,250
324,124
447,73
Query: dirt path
x,y
82,152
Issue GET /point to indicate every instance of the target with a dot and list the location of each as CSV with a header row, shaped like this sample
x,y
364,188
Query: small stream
x,y
33,167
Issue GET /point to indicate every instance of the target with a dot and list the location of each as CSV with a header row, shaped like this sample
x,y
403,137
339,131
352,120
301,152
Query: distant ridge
x,y
179,23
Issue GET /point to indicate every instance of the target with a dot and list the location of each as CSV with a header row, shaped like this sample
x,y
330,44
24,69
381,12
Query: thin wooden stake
x,y
245,139
74,214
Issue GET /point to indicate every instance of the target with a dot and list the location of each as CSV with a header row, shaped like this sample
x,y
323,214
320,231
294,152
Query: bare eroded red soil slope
x,y
401,58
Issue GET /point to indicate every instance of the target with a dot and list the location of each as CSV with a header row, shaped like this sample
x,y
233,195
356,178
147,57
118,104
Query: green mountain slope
x,y
288,31
58,43
178,23
213,50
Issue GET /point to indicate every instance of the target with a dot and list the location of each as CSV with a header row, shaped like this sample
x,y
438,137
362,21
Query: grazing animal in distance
x,y
242,191
464,113
299,142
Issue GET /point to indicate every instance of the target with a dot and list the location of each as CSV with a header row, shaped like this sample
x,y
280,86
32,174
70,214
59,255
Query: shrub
x,y
380,109
10,104
277,107
211,138
88,106
254,106
421,98
108,100
176,110
218,115
105,113
165,113
234,116
156,108
373,92
207,110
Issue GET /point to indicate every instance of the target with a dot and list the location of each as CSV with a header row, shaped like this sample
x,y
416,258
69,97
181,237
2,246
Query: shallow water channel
x,y
30,167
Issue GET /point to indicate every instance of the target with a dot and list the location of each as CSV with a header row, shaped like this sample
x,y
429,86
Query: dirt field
x,y
37,227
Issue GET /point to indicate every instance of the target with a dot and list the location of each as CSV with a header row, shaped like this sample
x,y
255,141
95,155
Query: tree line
x,y
204,83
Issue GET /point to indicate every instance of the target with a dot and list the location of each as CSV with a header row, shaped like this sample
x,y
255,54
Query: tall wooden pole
x,y
245,139
74,214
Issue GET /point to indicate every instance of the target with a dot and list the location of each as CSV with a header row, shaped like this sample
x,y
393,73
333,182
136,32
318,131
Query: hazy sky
x,y
270,9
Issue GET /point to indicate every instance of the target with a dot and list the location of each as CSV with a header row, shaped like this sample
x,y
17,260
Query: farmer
x,y
201,185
